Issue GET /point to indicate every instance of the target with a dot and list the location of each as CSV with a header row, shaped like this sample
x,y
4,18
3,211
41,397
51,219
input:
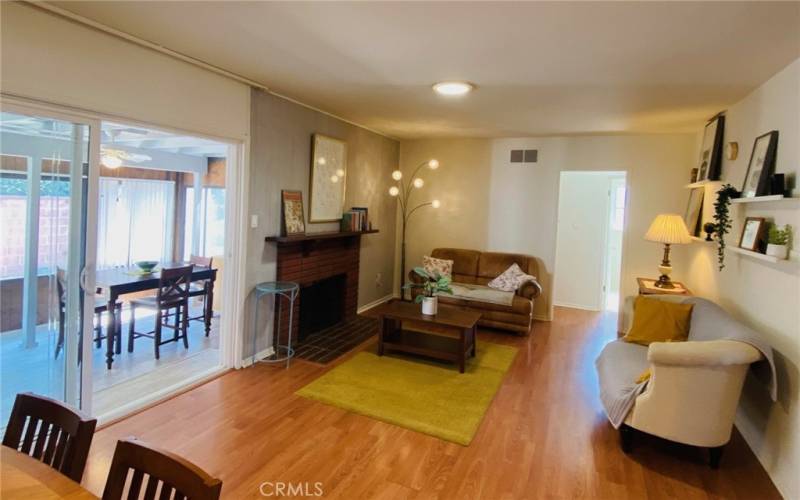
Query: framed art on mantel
x,y
710,164
327,183
293,217
761,166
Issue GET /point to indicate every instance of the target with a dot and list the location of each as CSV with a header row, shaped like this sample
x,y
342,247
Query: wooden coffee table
x,y
449,335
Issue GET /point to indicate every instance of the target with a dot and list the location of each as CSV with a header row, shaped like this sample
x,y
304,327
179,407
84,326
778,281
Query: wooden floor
x,y
544,436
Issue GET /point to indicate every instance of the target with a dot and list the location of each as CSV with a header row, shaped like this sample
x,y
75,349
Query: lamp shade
x,y
668,228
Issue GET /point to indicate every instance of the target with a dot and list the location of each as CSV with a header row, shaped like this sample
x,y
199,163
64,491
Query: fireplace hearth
x,y
326,268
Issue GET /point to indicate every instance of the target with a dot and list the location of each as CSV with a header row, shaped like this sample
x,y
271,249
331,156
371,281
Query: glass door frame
x,y
77,383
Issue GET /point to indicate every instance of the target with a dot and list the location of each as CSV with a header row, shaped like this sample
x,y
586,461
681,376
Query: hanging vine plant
x,y
722,219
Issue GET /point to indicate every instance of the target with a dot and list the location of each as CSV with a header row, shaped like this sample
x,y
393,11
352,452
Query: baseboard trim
x,y
576,306
269,351
367,307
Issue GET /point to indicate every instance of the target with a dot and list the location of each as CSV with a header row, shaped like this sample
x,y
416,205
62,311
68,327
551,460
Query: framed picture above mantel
x,y
327,179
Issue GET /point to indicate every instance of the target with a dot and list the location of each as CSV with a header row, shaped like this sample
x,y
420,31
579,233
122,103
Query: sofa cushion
x,y
659,321
437,267
480,293
519,305
511,279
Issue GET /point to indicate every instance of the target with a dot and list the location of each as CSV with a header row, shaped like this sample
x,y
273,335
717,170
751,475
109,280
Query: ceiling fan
x,y
113,158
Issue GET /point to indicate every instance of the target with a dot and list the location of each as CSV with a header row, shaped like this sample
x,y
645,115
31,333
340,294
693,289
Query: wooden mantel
x,y
282,240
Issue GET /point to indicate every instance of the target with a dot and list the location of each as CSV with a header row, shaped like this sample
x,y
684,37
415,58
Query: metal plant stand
x,y
278,289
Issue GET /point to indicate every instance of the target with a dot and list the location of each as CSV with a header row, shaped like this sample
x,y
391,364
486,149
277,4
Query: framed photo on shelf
x,y
694,210
293,217
710,165
761,165
753,233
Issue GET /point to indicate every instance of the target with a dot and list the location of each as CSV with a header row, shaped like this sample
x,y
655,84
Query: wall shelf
x,y
759,199
698,239
697,184
756,255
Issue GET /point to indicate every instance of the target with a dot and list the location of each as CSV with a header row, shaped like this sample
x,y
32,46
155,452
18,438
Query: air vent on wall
x,y
524,155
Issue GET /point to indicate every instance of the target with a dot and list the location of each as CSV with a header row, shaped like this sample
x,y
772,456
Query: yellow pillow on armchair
x,y
659,321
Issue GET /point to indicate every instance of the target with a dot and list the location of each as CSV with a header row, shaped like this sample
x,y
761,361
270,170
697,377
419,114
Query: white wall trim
x,y
248,361
375,303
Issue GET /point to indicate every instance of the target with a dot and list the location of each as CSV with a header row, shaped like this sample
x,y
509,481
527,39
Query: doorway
x,y
89,194
589,236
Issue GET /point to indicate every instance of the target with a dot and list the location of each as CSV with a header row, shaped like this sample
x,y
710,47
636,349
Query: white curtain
x,y
135,221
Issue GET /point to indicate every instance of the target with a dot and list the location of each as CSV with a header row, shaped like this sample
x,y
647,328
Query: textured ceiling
x,y
540,68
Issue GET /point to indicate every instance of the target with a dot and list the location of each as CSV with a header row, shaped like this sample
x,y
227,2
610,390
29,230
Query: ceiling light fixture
x,y
452,88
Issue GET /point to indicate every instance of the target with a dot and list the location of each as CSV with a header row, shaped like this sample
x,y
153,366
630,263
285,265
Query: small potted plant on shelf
x,y
778,241
431,285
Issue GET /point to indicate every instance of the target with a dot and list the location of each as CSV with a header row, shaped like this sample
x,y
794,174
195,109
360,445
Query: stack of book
x,y
355,219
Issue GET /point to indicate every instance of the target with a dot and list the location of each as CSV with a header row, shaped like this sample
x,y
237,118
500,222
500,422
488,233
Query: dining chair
x,y
52,432
100,306
200,289
161,474
172,294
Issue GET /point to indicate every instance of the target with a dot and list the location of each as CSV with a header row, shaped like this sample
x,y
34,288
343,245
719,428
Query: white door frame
x,y
236,205
621,172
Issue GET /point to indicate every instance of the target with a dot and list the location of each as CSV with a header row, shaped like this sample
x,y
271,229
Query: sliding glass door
x,y
45,315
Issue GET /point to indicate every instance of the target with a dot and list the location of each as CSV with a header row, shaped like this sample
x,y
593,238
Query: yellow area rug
x,y
425,396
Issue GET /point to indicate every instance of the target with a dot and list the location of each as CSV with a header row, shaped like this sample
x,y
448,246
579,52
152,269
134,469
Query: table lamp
x,y
668,229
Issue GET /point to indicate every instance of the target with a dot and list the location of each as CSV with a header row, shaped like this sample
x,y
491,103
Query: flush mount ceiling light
x,y
452,88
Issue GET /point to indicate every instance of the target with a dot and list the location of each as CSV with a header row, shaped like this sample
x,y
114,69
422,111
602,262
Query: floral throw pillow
x,y
438,267
511,279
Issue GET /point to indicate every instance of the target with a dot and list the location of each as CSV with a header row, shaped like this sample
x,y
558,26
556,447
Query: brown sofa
x,y
479,268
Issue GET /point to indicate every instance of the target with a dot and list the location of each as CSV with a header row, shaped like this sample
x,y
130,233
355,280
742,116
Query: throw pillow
x,y
511,279
437,267
659,321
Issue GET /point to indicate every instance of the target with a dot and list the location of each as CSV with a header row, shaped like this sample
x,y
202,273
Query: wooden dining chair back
x,y
51,432
201,289
173,286
172,293
141,471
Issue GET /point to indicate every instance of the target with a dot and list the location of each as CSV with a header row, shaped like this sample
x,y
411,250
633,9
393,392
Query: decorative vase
x,y
430,305
779,251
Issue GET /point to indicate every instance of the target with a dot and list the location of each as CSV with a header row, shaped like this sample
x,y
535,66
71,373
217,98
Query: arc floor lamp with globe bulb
x,y
402,191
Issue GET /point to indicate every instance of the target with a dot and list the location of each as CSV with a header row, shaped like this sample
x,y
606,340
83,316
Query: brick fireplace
x,y
324,265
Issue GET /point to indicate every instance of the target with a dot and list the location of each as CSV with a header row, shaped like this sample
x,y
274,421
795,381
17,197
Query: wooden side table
x,y
647,287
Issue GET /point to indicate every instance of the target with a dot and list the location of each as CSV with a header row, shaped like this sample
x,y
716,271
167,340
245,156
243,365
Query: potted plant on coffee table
x,y
431,285
778,241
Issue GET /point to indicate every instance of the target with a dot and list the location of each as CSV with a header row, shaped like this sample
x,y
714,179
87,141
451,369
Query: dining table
x,y
22,476
115,282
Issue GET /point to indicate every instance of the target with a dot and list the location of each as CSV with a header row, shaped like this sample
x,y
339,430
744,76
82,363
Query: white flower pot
x,y
779,251
430,305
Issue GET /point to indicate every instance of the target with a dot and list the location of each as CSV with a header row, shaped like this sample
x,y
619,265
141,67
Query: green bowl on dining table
x,y
146,266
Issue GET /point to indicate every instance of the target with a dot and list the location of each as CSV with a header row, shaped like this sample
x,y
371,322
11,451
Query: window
x,y
211,224
135,221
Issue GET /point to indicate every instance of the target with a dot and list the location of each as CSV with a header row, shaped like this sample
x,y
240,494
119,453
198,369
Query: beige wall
x,y
48,58
491,204
280,158
765,296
